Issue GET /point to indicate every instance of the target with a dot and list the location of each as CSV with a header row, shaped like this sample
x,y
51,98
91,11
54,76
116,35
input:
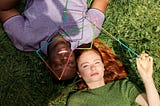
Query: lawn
x,y
25,80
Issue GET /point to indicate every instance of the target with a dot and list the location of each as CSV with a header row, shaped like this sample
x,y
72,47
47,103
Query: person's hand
x,y
145,66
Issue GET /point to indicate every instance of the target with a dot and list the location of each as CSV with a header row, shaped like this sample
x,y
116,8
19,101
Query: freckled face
x,y
91,67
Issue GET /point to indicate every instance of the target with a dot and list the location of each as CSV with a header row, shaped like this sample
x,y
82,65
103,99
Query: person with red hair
x,y
104,80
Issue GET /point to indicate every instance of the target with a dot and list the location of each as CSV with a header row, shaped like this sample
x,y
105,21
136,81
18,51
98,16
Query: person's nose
x,y
93,67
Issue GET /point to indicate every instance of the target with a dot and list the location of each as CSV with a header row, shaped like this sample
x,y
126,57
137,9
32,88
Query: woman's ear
x,y
104,69
103,66
79,75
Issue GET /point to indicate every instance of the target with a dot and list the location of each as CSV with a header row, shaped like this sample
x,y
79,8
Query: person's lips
x,y
94,74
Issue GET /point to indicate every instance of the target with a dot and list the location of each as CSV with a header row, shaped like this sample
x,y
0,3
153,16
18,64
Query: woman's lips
x,y
94,74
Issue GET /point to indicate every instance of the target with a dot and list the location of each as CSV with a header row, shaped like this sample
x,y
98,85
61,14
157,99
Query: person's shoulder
x,y
125,80
120,82
76,93
124,84
76,97
117,81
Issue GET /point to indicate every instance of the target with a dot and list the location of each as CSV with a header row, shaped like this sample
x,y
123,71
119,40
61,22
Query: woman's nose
x,y
93,67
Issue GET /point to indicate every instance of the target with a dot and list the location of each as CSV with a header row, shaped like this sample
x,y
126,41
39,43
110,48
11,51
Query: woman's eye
x,y
84,66
97,62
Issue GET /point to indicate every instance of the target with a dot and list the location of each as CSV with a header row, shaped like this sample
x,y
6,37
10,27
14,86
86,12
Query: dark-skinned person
x,y
43,21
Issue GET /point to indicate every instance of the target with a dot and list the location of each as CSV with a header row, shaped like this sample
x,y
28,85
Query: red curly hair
x,y
114,69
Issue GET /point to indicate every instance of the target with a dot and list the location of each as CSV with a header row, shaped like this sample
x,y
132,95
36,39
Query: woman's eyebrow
x,y
97,59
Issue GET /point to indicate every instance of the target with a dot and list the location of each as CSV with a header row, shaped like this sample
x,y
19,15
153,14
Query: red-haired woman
x,y
100,70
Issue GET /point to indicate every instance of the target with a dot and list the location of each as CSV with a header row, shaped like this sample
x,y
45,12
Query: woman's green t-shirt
x,y
115,93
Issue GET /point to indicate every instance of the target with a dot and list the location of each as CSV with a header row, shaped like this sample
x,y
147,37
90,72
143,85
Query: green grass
x,y
137,24
24,79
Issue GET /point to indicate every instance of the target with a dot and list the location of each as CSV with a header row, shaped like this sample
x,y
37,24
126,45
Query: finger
x,y
139,62
150,59
144,54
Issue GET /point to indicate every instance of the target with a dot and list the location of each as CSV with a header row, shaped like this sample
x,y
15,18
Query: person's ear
x,y
103,67
79,75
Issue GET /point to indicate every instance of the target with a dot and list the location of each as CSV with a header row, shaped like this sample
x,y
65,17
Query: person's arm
x,y
145,68
141,99
7,9
8,4
100,5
